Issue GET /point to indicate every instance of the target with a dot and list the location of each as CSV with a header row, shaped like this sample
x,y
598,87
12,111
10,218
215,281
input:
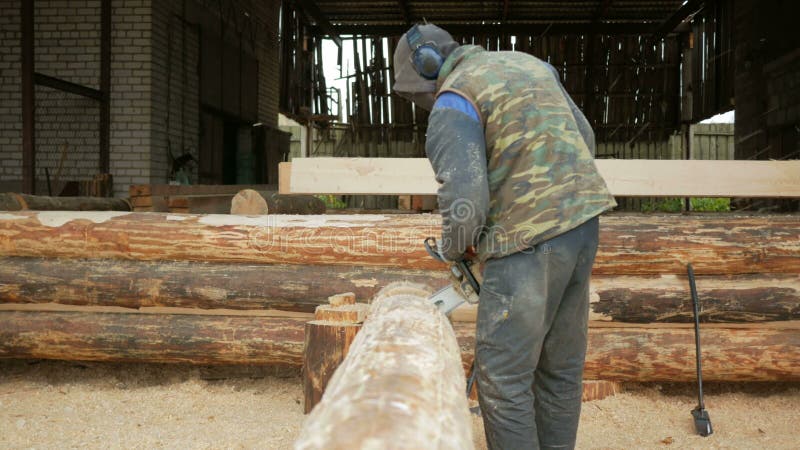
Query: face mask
x,y
424,100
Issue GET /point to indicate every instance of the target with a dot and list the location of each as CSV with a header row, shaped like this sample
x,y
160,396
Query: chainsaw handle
x,y
433,249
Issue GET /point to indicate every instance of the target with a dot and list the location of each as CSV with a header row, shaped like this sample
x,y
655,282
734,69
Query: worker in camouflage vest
x,y
518,183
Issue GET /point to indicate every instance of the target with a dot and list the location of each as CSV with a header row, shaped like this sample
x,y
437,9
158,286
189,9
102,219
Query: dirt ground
x,y
47,404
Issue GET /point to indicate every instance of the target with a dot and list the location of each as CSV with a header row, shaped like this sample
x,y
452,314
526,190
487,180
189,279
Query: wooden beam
x,y
605,28
687,9
68,86
634,177
401,380
632,244
312,10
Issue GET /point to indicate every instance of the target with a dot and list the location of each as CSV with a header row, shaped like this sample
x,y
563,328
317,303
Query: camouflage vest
x,y
542,177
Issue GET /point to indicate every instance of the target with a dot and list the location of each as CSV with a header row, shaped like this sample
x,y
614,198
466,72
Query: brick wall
x,y
131,99
10,96
176,84
155,104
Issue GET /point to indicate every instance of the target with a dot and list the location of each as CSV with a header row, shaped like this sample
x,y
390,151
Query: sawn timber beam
x,y
627,178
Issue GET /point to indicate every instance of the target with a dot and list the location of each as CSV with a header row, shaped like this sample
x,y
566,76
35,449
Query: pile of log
x,y
221,199
239,290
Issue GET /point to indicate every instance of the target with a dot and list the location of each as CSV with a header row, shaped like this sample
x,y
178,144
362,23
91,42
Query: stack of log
x,y
239,290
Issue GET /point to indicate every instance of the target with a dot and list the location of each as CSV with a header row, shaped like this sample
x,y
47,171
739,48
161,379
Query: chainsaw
x,y
464,287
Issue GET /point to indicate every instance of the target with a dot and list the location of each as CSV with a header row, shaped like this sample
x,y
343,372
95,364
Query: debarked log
x,y
629,244
401,381
731,352
189,284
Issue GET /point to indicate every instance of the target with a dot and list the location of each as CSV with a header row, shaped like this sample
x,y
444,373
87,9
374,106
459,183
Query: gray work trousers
x,y
531,341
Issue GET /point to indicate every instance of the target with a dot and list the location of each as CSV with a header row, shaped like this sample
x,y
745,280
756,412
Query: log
x,y
666,299
251,202
159,338
20,202
731,352
187,284
763,352
327,341
721,244
400,386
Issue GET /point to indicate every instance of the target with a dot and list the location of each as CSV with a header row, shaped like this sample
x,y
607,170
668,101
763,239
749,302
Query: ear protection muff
x,y
424,55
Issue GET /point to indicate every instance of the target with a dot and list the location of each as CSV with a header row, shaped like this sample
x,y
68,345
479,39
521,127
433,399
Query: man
x,y
513,155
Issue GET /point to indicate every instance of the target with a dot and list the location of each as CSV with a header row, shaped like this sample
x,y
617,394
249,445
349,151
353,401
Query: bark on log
x,y
401,385
189,284
167,338
764,352
20,202
639,299
629,244
746,352
251,202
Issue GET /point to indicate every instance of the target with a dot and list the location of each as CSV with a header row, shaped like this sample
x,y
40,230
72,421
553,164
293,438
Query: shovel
x,y
702,422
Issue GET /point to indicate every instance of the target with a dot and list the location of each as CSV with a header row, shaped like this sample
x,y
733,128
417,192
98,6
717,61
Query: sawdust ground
x,y
46,404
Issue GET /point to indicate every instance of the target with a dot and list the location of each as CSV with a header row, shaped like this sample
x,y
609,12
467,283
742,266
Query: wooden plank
x,y
635,244
635,178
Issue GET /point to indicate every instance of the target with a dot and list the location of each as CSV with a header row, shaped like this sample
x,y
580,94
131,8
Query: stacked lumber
x,y
197,199
221,199
160,287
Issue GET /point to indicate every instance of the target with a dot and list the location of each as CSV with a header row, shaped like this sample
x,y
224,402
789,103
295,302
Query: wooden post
x,y
327,341
402,381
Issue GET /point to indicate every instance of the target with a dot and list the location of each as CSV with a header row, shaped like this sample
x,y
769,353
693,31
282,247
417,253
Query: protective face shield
x,y
431,46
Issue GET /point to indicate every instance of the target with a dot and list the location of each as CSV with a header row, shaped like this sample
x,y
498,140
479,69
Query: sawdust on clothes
x,y
45,404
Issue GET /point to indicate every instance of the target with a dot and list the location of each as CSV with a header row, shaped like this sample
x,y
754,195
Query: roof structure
x,y
385,17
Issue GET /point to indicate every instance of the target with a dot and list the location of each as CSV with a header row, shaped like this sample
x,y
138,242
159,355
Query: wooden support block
x,y
327,341
599,389
345,313
347,298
